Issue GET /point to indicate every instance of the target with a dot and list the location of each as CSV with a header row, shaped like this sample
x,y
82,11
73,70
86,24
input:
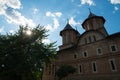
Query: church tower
x,y
94,22
69,36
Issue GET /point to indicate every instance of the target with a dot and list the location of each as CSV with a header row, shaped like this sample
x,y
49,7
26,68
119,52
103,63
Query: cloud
x,y
54,26
116,8
2,29
58,14
4,4
115,1
8,8
54,16
47,41
56,23
89,2
16,17
35,10
73,22
15,4
49,27
49,14
12,31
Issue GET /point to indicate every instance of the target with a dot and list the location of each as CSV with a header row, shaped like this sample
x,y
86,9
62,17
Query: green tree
x,y
23,54
64,71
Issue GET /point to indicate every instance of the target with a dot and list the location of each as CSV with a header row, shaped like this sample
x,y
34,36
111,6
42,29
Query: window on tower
x,y
94,67
75,56
99,51
85,54
113,48
79,68
112,64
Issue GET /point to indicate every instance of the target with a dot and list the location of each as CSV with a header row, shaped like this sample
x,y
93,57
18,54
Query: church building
x,y
95,53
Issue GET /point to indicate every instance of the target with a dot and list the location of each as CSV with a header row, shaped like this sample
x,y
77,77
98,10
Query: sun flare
x,y
28,32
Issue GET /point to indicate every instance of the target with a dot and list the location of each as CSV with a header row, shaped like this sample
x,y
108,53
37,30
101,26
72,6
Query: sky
x,y
54,15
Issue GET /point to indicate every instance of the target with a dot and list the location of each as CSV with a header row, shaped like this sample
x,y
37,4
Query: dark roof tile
x,y
68,26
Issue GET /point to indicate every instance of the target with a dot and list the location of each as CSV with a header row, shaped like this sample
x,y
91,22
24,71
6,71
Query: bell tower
x,y
94,22
69,35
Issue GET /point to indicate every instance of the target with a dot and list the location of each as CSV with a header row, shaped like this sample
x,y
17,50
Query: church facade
x,y
95,54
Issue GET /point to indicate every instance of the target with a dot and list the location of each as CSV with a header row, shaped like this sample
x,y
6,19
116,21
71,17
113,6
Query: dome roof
x,y
91,16
68,27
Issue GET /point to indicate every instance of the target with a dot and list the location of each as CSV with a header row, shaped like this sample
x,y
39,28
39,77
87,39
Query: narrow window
x,y
94,67
113,48
99,51
112,64
85,54
75,56
94,38
80,68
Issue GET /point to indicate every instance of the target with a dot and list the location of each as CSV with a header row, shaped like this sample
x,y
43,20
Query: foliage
x,y
64,71
22,56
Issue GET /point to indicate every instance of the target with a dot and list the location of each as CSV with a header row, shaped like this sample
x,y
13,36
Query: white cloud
x,y
15,4
116,8
15,17
73,22
2,9
2,29
89,2
4,4
49,14
54,26
58,14
56,23
49,27
35,10
47,41
54,16
115,1
12,31
8,8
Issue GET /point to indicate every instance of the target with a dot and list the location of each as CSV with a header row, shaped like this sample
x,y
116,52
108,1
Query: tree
x,y
64,71
23,54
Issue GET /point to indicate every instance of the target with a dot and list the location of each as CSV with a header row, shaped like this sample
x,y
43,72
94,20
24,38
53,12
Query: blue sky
x,y
53,14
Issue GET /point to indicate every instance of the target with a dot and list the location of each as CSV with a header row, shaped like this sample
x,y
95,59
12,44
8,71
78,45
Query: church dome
x,y
67,27
91,16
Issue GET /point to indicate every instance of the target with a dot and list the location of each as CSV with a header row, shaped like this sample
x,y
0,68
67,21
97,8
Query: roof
x,y
114,35
68,27
92,15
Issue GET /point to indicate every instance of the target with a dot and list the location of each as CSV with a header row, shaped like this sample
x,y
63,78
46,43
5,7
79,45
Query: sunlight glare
x,y
28,32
